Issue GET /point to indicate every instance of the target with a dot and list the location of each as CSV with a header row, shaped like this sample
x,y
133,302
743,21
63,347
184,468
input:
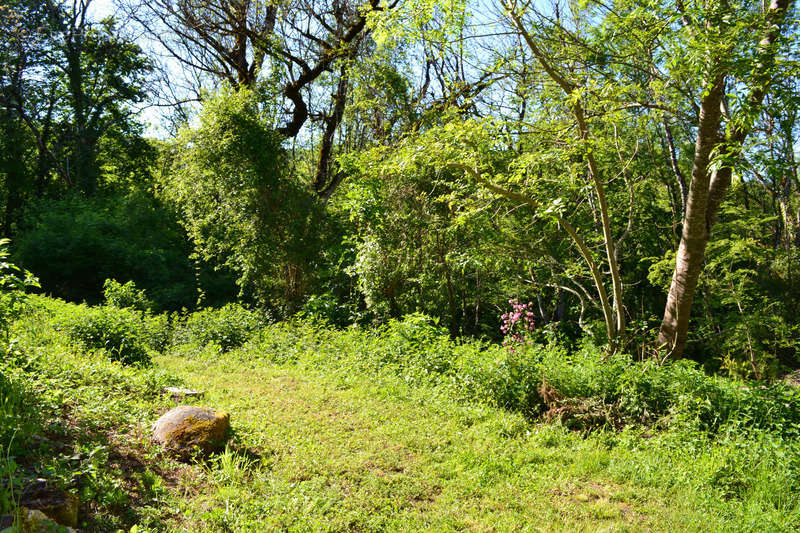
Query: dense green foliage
x,y
75,244
118,332
14,281
551,170
239,202
124,295
227,327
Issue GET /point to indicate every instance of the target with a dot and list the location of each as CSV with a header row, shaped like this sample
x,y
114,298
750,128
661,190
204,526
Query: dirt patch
x,y
594,496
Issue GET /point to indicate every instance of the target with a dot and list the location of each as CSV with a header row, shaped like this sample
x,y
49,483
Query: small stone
x,y
179,393
187,429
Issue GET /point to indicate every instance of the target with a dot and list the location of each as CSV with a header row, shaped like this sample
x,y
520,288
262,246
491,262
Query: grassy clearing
x,y
326,455
399,430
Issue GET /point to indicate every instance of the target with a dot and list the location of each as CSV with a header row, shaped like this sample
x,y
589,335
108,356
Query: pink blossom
x,y
517,325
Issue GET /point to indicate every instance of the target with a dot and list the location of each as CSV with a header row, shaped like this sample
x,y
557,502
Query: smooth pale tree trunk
x,y
691,251
707,189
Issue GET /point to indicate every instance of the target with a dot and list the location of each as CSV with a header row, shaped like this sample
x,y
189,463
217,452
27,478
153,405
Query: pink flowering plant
x,y
517,325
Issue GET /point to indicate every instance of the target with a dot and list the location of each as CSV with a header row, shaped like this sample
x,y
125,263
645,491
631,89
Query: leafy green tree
x,y
240,204
104,76
731,56
70,80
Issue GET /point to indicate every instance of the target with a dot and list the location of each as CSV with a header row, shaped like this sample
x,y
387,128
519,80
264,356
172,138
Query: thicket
x,y
227,327
583,387
75,244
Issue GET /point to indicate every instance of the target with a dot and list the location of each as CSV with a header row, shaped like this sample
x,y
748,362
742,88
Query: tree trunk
x,y
83,147
691,251
676,169
324,184
707,190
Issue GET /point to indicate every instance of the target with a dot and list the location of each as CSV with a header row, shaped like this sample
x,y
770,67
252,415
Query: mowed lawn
x,y
316,452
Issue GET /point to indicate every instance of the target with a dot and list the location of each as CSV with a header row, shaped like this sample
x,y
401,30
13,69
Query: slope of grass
x,y
386,431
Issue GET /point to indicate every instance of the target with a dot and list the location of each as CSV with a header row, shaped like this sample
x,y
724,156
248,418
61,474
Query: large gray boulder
x,y
187,430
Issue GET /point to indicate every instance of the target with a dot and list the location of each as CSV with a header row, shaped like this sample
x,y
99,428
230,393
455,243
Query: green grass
x,y
330,456
328,453
339,431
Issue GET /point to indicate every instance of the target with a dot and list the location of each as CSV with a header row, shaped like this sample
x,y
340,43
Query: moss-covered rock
x,y
35,521
57,504
186,430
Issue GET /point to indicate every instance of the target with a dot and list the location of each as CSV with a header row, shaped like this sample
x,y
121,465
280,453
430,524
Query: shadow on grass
x,y
42,438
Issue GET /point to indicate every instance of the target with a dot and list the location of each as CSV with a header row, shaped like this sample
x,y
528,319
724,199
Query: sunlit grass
x,y
352,431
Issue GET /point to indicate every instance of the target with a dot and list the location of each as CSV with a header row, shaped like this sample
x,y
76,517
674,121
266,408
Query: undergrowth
x,y
74,417
73,410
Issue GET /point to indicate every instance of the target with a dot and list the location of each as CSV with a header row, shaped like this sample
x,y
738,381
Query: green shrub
x,y
329,309
487,374
13,283
229,326
417,343
122,295
157,331
692,398
120,332
585,382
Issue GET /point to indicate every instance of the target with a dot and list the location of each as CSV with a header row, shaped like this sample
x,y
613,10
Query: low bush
x,y
157,331
124,295
486,373
326,307
416,343
120,332
229,326
13,283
